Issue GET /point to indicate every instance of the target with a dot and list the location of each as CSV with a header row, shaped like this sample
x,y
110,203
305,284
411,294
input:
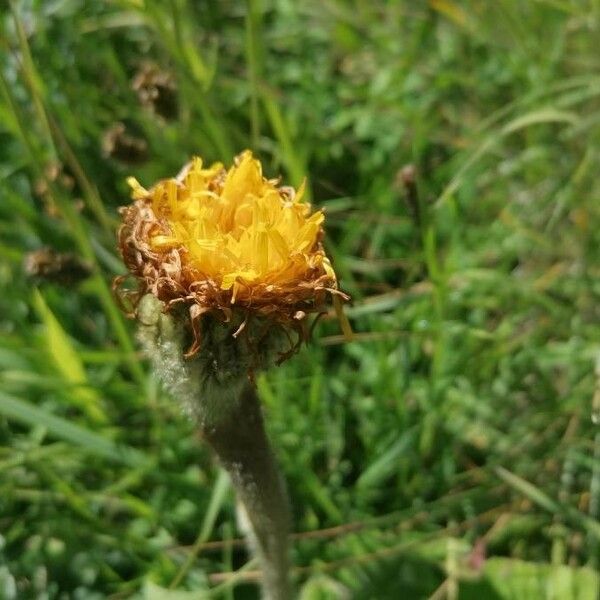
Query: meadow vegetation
x,y
452,448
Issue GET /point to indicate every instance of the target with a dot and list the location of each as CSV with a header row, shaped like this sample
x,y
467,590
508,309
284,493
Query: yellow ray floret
x,y
225,238
237,229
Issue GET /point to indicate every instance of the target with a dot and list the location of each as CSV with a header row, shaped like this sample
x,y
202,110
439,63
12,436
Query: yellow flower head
x,y
223,240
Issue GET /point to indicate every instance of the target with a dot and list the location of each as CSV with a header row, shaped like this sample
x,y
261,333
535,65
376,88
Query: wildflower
x,y
121,145
229,243
156,90
237,260
58,175
47,264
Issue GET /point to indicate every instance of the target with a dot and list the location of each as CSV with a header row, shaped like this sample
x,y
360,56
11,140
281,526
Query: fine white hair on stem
x,y
214,389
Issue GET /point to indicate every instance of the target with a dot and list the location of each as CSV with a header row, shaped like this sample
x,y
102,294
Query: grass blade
x,y
25,412
67,362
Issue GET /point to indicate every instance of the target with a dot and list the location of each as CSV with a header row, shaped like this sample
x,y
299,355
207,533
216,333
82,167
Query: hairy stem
x,y
214,390
243,450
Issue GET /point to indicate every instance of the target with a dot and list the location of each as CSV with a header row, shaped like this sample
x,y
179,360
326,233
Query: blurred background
x,y
452,449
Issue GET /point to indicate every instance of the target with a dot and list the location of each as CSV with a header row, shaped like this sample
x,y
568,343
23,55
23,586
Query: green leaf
x,y
536,495
151,591
382,468
322,587
67,363
217,499
509,579
24,412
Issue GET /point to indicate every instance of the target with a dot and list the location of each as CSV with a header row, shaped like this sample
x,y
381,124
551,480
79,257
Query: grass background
x,y
452,450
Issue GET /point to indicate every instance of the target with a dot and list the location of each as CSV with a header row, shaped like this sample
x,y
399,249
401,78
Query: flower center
x,y
236,228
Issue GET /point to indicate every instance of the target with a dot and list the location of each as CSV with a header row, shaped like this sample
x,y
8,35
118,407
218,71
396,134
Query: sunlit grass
x,y
459,418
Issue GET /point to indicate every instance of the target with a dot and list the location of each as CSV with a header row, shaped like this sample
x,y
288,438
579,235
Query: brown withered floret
x,y
156,90
122,145
59,267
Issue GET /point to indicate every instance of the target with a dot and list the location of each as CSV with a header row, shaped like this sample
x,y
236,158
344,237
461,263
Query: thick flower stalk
x,y
230,266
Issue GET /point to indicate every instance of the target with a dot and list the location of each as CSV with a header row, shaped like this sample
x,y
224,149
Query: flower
x,y
227,242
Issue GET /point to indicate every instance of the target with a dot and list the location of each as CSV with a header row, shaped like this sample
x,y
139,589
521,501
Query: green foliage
x,y
450,449
507,579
